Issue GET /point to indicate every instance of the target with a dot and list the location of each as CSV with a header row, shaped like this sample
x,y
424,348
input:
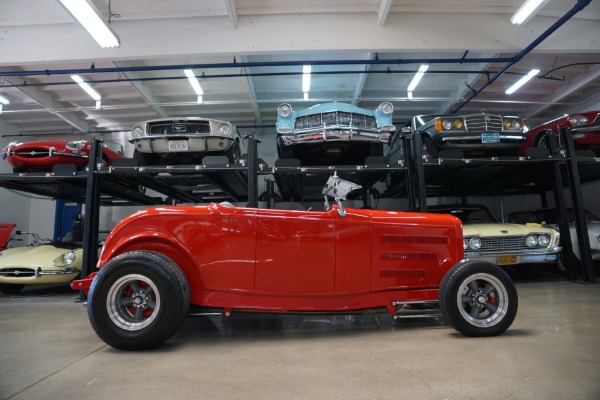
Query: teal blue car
x,y
333,133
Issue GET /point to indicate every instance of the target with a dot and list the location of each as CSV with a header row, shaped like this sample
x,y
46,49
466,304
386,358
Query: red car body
x,y
585,128
157,261
42,155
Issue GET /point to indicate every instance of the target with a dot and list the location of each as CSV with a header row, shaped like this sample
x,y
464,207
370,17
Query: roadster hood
x,y
25,256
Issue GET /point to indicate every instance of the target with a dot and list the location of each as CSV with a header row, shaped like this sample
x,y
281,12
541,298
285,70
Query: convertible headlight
x,y
577,120
66,259
76,145
386,107
531,241
225,130
448,124
137,131
473,243
544,240
284,110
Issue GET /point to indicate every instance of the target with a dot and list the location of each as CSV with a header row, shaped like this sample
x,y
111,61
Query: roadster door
x,y
295,252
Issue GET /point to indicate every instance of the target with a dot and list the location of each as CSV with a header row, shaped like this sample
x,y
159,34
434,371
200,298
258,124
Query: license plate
x,y
508,260
490,138
178,145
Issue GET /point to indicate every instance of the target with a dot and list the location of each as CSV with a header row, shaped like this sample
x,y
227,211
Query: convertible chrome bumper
x,y
513,258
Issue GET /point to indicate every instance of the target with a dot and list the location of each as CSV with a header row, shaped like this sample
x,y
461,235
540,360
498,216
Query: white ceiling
x,y
41,44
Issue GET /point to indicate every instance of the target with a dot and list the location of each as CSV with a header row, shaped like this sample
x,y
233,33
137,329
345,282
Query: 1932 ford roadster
x,y
158,261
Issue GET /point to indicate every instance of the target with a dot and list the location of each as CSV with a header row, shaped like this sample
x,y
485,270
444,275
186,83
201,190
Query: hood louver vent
x,y
413,239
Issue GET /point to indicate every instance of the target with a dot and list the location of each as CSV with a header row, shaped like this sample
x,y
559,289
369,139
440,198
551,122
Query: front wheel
x,y
138,300
478,298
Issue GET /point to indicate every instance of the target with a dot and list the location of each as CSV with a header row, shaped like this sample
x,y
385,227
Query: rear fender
x,y
157,242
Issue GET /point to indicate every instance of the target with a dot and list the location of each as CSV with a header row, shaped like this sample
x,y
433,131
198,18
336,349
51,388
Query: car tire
x,y
129,321
428,147
544,139
143,158
234,153
9,288
478,298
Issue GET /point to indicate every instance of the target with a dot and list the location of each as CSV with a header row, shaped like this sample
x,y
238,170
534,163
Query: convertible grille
x,y
17,272
39,153
483,123
178,128
336,118
501,244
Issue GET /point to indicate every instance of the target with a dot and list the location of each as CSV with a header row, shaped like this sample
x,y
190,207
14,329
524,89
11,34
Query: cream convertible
x,y
504,244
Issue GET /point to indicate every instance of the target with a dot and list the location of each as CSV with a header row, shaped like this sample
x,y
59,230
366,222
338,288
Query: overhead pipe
x,y
235,64
262,74
580,5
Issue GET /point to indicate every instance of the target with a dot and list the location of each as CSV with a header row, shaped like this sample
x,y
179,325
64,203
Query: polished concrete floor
x,y
49,351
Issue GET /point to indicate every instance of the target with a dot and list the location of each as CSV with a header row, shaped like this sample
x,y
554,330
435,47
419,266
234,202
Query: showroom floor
x,y
49,351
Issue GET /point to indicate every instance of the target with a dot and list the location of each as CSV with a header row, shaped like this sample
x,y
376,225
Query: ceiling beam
x,y
232,13
362,78
384,11
143,90
566,89
253,99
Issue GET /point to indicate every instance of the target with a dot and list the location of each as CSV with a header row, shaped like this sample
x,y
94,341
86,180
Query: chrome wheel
x,y
133,302
482,300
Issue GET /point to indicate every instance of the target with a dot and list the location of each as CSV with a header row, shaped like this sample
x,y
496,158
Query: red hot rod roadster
x,y
158,261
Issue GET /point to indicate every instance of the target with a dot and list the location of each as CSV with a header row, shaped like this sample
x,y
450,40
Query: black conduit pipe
x,y
581,4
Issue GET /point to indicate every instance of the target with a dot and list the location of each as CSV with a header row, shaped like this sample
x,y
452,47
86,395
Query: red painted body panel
x,y
34,156
587,136
264,259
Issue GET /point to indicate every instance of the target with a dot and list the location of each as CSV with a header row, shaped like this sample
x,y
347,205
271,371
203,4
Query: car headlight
x,y
225,130
447,124
76,145
66,259
544,240
137,131
531,241
284,110
577,120
512,124
473,243
386,107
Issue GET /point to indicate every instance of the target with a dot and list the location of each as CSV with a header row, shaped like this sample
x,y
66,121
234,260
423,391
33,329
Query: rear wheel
x,y
234,154
138,300
545,139
478,298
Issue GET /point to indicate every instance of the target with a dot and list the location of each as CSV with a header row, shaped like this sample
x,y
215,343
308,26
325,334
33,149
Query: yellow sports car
x,y
50,263
528,246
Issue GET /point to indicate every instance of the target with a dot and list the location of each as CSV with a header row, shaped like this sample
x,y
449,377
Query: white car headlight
x,y
531,241
577,120
284,110
66,259
76,145
544,240
475,243
447,124
225,130
137,131
386,107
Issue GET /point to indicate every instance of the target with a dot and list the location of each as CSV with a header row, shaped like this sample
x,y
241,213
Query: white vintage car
x,y
528,246
170,141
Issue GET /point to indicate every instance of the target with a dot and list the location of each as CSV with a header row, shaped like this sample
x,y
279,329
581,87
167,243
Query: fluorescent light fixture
x,y
522,81
199,101
306,78
85,86
98,104
410,96
194,82
1,107
417,78
305,95
89,17
527,10
4,100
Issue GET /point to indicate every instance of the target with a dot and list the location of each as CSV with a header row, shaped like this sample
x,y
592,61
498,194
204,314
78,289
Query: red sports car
x,y
42,155
158,261
585,128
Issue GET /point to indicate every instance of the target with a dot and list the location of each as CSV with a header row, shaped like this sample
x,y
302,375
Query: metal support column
x,y
252,172
92,213
589,275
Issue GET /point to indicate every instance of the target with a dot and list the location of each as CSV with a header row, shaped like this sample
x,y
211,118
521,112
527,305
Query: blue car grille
x,y
483,123
336,118
500,244
178,128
